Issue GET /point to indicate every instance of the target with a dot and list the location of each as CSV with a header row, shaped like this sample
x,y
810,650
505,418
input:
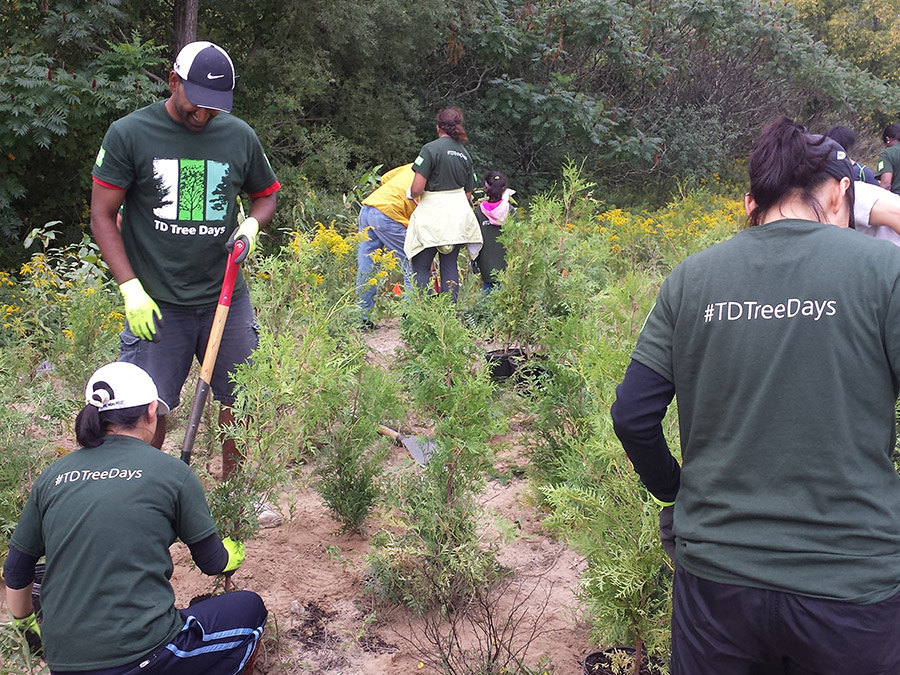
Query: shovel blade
x,y
420,449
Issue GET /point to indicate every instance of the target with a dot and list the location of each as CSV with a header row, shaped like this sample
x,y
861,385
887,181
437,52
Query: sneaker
x,y
267,515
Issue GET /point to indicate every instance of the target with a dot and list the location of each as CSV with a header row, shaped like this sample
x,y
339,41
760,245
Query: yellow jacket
x,y
390,198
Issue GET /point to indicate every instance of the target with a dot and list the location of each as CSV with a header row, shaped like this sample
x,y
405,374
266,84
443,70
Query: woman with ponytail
x,y
105,516
491,215
783,347
443,220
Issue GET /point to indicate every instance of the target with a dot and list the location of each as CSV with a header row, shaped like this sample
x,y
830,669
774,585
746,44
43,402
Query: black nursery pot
x,y
600,663
503,362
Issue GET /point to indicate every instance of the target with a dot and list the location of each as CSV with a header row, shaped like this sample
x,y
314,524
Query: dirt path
x,y
313,581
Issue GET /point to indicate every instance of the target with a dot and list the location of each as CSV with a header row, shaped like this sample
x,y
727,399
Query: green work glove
x,y
32,630
249,230
236,553
139,309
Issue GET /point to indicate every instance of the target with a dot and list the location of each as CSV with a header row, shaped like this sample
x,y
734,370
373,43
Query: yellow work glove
x,y
30,627
249,230
139,309
236,552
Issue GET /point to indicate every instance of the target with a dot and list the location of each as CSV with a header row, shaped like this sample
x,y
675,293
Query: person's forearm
x,y
885,180
19,601
641,404
418,186
263,209
112,248
105,205
209,554
886,213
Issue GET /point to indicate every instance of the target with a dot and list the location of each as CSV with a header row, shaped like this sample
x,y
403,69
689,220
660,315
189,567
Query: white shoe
x,y
267,515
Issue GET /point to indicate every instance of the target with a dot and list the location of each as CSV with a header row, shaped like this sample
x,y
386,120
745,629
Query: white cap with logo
x,y
120,385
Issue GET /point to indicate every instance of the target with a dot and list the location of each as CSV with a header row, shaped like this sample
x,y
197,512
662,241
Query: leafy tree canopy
x,y
65,72
649,93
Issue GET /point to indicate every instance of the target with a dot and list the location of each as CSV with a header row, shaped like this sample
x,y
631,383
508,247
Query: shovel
x,y
420,449
212,349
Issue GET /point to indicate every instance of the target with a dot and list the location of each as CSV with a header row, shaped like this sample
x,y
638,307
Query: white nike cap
x,y
208,75
120,385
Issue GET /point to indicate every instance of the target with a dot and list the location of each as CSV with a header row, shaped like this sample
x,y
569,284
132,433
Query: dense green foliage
x,y
308,403
651,95
65,73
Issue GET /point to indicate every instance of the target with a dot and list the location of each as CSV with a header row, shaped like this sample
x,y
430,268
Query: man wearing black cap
x,y
782,347
178,167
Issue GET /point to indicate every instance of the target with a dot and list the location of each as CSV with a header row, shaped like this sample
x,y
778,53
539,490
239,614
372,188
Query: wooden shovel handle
x,y
387,431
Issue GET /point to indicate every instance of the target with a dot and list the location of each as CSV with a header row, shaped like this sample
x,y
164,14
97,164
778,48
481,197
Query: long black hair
x,y
787,160
495,185
91,425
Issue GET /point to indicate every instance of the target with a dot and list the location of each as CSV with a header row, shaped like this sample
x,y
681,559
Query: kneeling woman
x,y
105,516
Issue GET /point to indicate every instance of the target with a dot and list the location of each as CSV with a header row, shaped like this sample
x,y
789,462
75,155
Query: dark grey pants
x,y
449,271
720,629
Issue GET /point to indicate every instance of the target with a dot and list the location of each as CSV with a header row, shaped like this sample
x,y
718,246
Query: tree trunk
x,y
185,22
638,655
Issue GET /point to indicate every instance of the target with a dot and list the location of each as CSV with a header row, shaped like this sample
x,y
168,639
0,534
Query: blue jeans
x,y
383,233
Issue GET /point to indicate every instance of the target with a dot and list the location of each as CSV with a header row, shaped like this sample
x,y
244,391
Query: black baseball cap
x,y
837,163
208,75
838,166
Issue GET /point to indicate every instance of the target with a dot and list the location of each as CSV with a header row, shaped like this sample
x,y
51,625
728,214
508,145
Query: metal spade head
x,y
419,448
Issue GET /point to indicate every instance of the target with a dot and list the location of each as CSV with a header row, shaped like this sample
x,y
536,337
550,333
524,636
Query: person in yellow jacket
x,y
383,220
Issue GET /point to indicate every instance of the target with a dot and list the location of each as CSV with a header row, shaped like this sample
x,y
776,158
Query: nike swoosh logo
x,y
210,76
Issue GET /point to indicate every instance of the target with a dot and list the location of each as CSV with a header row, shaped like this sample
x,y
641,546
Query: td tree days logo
x,y
190,189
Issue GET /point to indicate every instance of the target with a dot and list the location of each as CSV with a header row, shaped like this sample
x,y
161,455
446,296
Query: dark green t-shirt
x,y
492,257
889,162
180,204
783,344
446,165
105,517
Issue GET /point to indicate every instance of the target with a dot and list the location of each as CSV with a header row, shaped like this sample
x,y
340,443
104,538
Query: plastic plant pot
x,y
503,362
615,661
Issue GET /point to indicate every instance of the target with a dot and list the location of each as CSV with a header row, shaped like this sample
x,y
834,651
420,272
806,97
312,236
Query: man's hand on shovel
x,y
249,230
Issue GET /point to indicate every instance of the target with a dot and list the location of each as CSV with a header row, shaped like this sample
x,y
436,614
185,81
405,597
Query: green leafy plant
x,y
63,304
628,583
308,394
555,262
435,556
33,415
15,654
348,468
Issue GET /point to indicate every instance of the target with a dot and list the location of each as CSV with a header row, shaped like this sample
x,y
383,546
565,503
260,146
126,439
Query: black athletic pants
x,y
719,629
449,270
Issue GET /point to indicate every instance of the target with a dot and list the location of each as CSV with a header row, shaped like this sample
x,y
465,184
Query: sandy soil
x,y
323,621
